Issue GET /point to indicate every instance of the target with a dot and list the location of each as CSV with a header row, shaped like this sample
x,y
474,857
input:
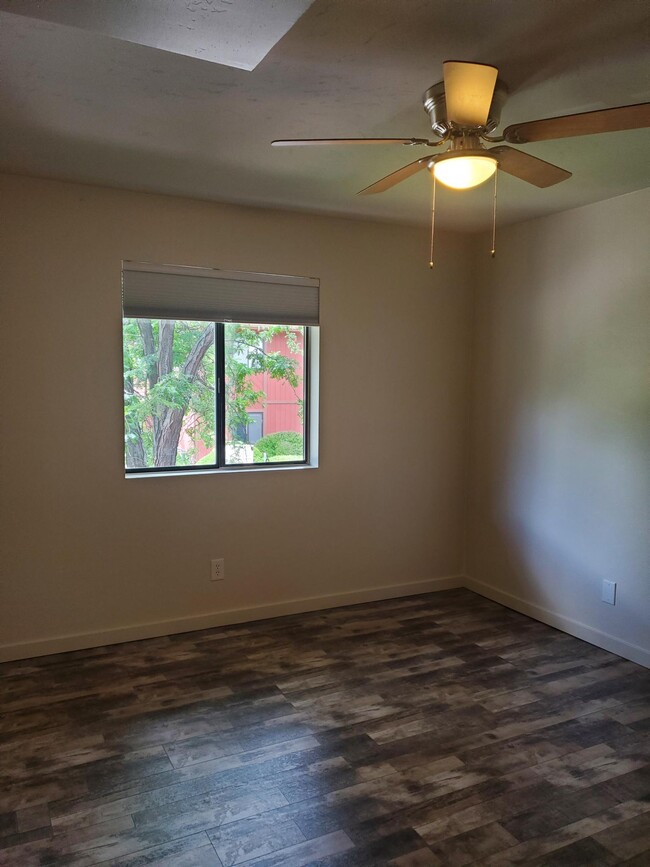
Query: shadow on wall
x,y
568,418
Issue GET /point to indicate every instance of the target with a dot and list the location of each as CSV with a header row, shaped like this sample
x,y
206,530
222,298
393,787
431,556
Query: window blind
x,y
207,294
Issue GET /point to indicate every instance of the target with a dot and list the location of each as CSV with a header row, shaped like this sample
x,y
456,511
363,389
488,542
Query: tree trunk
x,y
165,347
170,422
169,433
149,343
194,359
135,456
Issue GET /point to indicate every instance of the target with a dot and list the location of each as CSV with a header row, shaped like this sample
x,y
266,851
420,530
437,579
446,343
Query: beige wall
x,y
557,481
86,551
559,495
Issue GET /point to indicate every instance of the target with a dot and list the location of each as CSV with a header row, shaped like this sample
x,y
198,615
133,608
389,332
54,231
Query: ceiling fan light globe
x,y
464,172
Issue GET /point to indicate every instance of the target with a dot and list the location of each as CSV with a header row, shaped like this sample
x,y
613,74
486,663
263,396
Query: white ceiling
x,y
237,33
86,106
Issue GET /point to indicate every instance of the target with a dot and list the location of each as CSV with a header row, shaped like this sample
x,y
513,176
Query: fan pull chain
x,y
433,219
494,217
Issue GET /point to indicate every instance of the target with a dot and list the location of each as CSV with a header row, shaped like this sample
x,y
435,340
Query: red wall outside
x,y
281,409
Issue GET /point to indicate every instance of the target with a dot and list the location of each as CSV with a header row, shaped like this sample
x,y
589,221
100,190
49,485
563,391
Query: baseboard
x,y
136,632
574,627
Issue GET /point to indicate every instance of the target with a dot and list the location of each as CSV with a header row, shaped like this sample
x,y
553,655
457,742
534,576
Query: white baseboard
x,y
136,632
574,627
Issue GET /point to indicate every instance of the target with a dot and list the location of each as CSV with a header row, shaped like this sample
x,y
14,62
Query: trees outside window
x,y
189,386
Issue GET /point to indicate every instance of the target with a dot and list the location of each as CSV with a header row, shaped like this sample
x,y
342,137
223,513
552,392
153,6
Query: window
x,y
201,393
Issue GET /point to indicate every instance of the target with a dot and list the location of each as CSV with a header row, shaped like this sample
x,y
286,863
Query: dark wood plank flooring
x,y
433,730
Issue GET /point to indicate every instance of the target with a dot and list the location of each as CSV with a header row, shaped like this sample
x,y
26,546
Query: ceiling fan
x,y
465,109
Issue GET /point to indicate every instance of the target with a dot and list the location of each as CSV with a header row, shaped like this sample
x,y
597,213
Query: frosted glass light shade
x,y
462,173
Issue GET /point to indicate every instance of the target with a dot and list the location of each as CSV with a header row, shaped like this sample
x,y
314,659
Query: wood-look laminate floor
x,y
433,730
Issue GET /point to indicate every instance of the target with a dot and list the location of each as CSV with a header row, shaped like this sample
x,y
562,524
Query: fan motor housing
x,y
435,106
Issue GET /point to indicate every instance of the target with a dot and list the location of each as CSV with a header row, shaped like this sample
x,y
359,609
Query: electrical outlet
x,y
218,570
609,592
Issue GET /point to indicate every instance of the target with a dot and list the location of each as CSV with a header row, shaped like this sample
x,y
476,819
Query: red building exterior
x,y
281,409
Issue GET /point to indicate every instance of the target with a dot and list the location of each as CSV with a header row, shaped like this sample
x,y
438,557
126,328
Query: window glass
x,y
190,386
264,393
169,393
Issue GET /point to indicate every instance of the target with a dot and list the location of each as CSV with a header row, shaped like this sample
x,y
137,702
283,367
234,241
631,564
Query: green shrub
x,y
278,459
278,445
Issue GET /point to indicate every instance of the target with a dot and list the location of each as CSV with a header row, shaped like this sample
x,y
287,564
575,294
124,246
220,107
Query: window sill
x,y
211,471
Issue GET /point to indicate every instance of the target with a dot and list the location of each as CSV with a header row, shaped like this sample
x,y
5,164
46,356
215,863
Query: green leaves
x,y
284,445
246,355
170,381
151,400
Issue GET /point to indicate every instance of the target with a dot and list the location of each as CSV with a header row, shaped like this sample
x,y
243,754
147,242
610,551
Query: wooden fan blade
x,y
347,141
529,168
587,123
469,88
396,177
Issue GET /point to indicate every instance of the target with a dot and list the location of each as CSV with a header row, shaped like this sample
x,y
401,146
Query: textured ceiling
x,y
237,33
89,107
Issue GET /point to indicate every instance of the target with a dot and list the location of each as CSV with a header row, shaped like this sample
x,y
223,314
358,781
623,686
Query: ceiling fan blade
x,y
307,142
469,88
528,168
396,177
587,123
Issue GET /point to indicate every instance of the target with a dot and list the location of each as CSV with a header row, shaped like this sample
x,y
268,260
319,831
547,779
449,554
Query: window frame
x,y
220,417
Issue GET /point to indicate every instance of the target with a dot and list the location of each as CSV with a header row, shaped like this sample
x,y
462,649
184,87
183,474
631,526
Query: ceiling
x,y
238,34
82,105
